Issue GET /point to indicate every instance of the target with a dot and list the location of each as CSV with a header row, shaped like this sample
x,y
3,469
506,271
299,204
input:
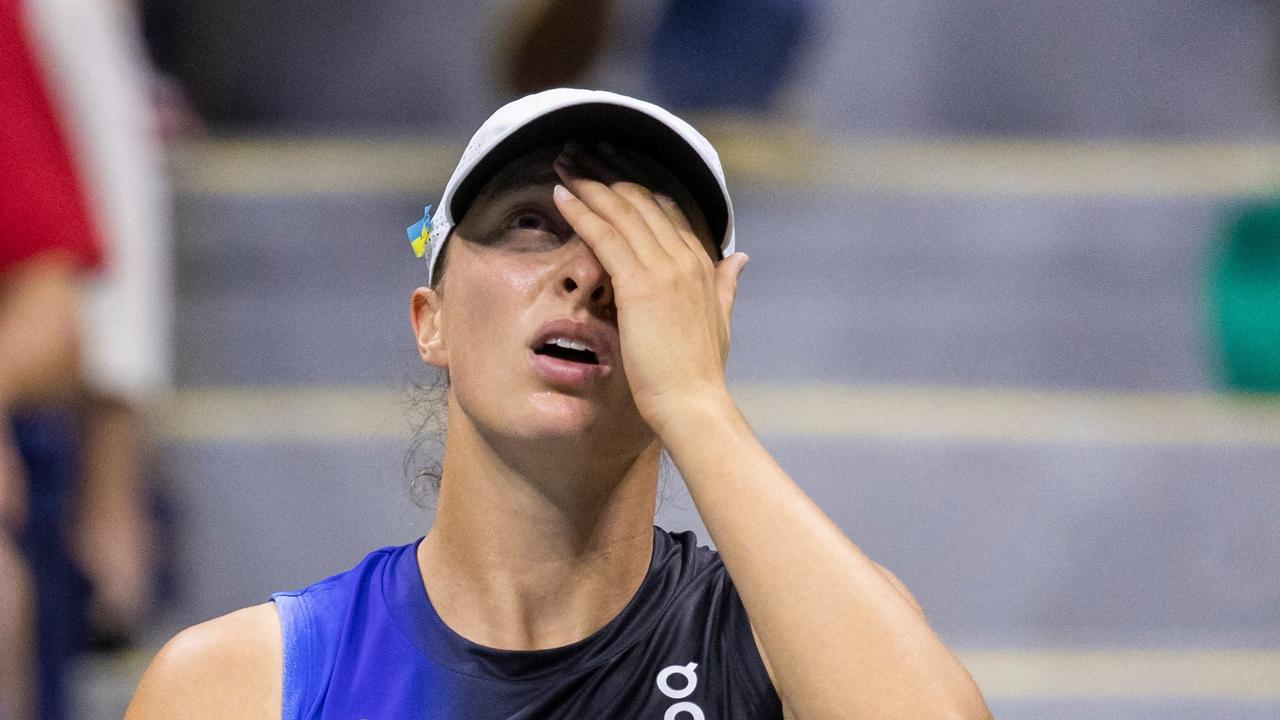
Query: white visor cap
x,y
553,117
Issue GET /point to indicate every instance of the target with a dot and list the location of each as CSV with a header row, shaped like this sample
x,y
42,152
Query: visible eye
x,y
533,229
530,221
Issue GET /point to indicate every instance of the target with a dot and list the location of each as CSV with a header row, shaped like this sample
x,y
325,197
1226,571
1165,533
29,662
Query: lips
x,y
569,361
578,341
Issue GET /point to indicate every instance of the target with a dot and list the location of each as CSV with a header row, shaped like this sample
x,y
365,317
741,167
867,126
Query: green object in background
x,y
1245,287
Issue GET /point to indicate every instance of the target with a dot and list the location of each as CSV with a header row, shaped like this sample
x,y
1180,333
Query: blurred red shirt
x,y
43,207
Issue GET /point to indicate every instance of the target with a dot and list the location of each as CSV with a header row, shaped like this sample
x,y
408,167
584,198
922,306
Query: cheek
x,y
487,323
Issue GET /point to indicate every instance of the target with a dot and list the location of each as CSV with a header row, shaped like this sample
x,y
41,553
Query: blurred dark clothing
x,y
51,448
48,444
726,54
327,64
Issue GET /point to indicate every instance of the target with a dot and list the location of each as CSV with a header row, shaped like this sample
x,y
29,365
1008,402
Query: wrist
x,y
695,416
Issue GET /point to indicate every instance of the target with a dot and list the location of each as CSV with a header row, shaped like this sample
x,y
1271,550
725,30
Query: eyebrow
x,y
526,176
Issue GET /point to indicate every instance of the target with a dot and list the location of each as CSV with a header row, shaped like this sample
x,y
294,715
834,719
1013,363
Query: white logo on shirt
x,y
682,710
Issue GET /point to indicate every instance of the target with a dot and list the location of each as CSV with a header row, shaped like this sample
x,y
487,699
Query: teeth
x,y
570,344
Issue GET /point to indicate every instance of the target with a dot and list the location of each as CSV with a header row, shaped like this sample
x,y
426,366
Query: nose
x,y
584,280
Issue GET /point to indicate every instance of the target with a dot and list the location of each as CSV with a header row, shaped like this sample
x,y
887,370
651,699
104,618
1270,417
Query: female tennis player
x,y
577,299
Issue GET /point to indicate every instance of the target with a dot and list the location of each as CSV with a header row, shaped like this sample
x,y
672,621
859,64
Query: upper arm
x,y
229,667
901,588
786,711
893,580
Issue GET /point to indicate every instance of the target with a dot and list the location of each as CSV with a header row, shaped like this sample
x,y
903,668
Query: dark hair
x,y
429,410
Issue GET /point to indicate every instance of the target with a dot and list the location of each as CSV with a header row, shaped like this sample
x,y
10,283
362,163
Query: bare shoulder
x,y
228,667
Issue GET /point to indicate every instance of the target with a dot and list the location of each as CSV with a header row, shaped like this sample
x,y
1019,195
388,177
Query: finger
x,y
614,253
632,168
626,164
615,210
590,165
656,208
650,208
685,230
727,274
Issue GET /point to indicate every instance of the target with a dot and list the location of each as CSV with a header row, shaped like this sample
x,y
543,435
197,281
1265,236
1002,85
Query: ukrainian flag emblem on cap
x,y
420,233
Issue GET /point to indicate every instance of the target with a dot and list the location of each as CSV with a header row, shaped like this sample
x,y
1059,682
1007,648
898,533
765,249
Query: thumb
x,y
727,274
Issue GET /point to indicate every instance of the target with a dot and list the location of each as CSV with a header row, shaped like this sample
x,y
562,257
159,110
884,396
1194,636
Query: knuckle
x,y
608,234
630,213
689,263
631,190
640,283
700,255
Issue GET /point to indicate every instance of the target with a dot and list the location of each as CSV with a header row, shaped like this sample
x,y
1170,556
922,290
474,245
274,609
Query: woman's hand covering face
x,y
674,303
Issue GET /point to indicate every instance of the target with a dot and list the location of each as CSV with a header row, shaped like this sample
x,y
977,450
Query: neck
x,y
533,550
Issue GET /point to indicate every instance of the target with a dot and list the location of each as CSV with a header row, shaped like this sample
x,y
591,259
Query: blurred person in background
x,y
725,55
88,535
116,113
47,244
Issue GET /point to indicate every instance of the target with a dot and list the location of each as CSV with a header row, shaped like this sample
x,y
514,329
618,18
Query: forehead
x,y
536,169
532,169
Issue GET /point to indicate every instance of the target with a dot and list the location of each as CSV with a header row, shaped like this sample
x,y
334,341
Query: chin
x,y
554,416
562,421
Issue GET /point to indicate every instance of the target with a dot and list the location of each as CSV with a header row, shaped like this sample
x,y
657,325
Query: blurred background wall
x,y
1172,69
978,326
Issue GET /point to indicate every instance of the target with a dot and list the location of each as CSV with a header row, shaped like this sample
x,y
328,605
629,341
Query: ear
x,y
426,316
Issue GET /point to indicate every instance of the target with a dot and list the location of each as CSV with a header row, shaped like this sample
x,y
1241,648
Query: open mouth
x,y
567,353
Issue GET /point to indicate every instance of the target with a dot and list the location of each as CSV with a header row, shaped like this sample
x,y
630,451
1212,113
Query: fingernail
x,y
561,192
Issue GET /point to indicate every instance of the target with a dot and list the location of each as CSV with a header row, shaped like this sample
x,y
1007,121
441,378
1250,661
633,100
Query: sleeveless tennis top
x,y
367,644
